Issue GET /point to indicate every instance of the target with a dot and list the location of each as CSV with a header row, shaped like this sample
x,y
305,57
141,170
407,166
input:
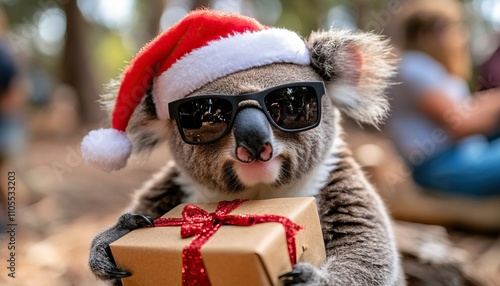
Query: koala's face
x,y
355,68
229,164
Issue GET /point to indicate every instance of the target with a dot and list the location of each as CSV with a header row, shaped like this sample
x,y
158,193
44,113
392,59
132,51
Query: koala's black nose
x,y
252,133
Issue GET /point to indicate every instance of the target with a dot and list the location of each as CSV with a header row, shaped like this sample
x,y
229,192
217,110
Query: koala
x,y
257,157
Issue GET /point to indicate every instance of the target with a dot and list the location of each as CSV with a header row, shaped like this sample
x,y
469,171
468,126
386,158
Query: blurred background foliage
x,y
84,43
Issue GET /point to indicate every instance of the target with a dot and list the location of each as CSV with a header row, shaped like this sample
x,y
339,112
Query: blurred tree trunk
x,y
76,64
302,16
364,7
154,15
201,3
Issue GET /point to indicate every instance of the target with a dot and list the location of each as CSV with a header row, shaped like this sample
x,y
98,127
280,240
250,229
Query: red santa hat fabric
x,y
203,46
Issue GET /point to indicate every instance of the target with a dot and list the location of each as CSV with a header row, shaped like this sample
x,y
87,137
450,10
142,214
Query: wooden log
x,y
430,258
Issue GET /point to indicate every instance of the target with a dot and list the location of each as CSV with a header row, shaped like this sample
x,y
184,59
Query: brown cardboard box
x,y
235,255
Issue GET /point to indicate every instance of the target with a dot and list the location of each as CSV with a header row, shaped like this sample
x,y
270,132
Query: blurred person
x,y
438,127
12,101
11,129
489,72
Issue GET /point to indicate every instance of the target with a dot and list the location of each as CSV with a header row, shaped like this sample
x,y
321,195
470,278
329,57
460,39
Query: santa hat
x,y
202,47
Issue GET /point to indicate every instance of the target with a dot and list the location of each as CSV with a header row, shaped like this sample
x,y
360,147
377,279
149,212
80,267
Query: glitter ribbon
x,y
202,225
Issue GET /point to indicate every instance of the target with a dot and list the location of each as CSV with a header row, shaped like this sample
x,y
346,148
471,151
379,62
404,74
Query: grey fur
x,y
357,230
357,91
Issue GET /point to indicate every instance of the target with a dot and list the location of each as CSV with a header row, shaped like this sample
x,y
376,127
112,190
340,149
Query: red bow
x,y
202,225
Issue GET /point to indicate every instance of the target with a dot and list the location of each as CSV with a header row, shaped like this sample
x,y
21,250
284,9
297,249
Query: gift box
x,y
251,254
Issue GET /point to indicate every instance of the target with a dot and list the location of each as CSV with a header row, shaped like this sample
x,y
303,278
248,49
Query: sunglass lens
x,y
205,120
293,108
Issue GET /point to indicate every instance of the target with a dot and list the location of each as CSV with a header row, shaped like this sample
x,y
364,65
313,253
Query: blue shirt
x,y
416,136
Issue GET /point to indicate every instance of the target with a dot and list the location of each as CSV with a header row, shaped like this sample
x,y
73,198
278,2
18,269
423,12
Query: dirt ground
x,y
62,204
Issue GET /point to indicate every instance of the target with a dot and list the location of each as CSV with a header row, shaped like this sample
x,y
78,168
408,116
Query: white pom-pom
x,y
106,149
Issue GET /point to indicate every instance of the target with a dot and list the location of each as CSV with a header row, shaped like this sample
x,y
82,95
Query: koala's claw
x,y
103,265
292,277
135,221
147,220
118,274
304,274
114,272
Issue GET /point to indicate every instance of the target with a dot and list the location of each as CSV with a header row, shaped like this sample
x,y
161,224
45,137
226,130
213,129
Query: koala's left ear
x,y
356,67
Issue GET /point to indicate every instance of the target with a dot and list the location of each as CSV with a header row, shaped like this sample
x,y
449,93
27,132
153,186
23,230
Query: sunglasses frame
x,y
234,100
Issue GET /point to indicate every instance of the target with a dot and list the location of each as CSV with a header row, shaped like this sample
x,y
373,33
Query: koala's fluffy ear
x,y
356,67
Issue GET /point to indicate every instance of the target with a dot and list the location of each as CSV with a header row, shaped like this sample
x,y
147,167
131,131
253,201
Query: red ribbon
x,y
202,225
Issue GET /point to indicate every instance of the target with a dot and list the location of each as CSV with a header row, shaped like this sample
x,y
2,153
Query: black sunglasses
x,y
291,107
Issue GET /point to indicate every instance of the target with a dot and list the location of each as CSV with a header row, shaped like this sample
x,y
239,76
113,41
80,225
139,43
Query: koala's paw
x,y
304,274
101,260
103,266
